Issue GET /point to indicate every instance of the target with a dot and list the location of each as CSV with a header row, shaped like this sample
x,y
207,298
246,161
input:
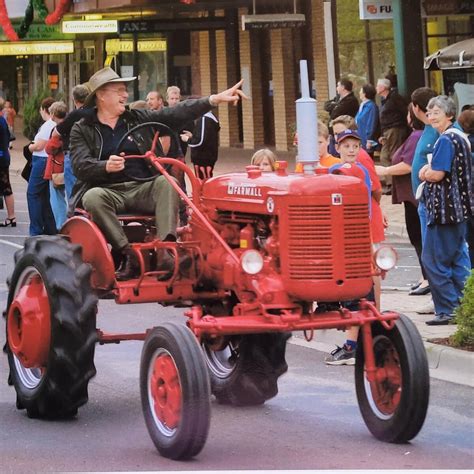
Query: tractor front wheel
x,y
175,391
394,405
245,371
51,333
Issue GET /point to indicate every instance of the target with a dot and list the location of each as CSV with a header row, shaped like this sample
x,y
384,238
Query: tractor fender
x,y
95,250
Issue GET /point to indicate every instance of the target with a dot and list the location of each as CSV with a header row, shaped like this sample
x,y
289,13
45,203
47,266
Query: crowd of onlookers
x,y
424,148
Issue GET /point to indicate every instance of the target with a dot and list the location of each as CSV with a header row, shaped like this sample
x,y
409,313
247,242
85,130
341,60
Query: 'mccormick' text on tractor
x,y
266,250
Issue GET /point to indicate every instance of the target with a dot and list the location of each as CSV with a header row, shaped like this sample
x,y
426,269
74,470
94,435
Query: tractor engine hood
x,y
257,192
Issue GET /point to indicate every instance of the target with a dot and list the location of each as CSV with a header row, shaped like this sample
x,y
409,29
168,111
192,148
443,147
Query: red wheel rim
x,y
386,390
165,391
29,321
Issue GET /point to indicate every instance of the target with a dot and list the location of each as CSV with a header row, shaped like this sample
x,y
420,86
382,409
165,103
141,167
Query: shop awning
x,y
455,56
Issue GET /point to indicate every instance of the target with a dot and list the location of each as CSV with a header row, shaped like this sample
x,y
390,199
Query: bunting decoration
x,y
6,24
27,20
40,8
61,9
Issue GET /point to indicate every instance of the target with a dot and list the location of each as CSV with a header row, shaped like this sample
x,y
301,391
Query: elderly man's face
x,y
112,97
380,88
154,101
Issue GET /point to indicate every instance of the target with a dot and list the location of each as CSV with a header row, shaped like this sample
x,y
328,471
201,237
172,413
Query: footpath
x,y
445,363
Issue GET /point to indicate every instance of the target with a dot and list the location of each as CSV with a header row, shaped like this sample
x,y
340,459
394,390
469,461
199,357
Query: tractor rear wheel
x,y
394,406
175,391
245,372
51,333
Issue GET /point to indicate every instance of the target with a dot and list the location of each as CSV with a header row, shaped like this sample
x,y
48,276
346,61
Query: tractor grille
x,y
311,236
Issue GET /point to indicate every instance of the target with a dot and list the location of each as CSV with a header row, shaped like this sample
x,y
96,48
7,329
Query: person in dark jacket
x,y
103,177
5,186
79,95
367,118
345,102
393,123
204,145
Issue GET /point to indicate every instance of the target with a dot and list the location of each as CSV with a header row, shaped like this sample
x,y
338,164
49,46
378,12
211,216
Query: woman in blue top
x,y
367,117
5,186
449,200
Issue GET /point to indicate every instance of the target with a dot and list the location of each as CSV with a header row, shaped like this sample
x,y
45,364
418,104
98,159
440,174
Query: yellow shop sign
x,y
24,48
115,46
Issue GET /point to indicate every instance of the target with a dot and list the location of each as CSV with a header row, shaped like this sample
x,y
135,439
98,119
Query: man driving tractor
x,y
105,185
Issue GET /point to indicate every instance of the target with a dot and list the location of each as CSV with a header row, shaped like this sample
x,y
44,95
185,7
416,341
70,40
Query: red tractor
x,y
266,251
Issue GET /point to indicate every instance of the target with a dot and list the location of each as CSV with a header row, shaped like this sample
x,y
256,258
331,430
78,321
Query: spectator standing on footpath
x,y
402,192
55,169
393,124
466,121
367,118
10,113
379,220
173,97
6,191
345,103
265,159
419,99
348,146
325,158
154,100
37,193
63,130
204,145
449,200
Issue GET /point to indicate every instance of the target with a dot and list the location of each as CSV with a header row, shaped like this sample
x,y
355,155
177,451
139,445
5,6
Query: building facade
x,y
204,46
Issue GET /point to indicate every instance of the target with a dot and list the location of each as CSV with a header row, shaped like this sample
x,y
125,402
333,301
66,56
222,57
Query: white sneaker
x,y
428,309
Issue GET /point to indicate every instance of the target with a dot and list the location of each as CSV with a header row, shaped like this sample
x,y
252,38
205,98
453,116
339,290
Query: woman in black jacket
x,y
5,186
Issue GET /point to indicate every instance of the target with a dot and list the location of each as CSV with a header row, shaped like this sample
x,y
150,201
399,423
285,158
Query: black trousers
x,y
412,221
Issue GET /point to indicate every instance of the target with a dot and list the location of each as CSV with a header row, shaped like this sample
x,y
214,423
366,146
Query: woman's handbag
x,y
26,171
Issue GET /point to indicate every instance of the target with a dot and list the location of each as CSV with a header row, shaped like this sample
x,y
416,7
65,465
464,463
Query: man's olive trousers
x,y
153,197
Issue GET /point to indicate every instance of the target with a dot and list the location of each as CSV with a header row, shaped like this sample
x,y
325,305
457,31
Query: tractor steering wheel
x,y
161,139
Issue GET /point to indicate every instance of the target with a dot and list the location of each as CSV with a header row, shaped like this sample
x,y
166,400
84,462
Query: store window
x,y
152,60
442,31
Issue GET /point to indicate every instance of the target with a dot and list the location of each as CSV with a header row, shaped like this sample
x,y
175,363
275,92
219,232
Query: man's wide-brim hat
x,y
102,77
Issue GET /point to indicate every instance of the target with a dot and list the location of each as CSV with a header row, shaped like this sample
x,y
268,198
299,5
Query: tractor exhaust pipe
x,y
306,125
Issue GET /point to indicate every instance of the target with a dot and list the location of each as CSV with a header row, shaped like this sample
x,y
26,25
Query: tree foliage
x,y
464,334
31,117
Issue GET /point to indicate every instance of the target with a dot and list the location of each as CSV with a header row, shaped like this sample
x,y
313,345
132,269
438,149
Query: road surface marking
x,y
6,242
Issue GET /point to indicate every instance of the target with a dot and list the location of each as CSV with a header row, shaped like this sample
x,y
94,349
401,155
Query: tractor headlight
x,y
251,262
385,258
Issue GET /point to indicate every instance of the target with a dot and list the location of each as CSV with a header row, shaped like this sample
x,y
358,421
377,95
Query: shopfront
x,y
366,46
145,57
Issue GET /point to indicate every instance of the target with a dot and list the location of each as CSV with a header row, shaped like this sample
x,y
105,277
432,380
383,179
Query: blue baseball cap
x,y
340,137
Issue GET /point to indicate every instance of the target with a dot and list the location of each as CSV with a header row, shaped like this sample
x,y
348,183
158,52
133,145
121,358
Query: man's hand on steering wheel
x,y
115,163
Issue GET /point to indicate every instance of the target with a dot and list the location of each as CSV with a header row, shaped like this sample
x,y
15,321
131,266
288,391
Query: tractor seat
x,y
125,218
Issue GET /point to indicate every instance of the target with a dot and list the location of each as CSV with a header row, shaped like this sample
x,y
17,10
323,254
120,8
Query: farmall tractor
x,y
267,250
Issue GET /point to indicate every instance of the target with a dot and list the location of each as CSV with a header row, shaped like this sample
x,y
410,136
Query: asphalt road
x,y
314,422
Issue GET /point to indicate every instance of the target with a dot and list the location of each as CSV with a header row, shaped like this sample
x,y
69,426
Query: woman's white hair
x,y
445,103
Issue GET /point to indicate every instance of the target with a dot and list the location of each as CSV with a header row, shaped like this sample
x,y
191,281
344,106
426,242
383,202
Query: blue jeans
x,y
446,260
69,178
37,195
57,199
423,221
